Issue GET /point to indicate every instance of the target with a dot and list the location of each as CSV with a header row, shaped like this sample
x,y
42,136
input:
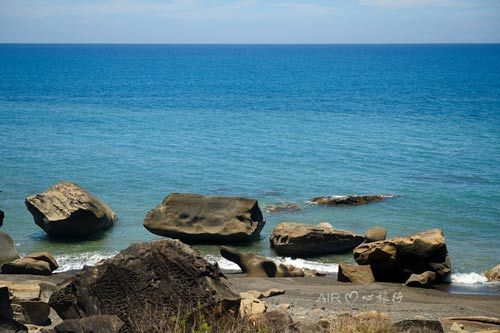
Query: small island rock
x,y
350,200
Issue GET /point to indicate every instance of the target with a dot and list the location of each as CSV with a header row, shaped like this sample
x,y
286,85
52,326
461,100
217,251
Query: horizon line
x,y
244,44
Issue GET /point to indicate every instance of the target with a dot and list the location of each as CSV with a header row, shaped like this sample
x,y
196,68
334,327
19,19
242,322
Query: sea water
x,y
279,123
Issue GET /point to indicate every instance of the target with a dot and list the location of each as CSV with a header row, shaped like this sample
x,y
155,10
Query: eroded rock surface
x,y
355,273
8,252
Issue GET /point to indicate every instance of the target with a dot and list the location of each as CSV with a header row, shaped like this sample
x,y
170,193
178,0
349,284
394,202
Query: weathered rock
x,y
251,306
375,234
94,324
27,266
195,218
170,275
28,291
355,273
277,320
350,200
418,326
11,326
23,311
493,274
8,252
258,266
304,240
2,215
394,260
45,256
67,210
423,280
283,207
262,294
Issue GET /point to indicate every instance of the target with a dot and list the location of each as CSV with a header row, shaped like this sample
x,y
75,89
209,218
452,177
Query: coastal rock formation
x,y
349,200
304,240
394,260
94,324
67,210
283,207
424,280
195,218
355,273
258,266
8,252
493,274
148,280
375,234
37,263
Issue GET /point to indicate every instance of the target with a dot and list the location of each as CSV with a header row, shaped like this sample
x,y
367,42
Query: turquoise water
x,y
132,123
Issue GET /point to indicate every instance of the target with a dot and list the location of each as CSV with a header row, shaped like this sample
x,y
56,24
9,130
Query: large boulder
x,y
349,200
8,252
394,260
67,210
493,274
375,234
304,240
146,282
355,273
37,263
195,218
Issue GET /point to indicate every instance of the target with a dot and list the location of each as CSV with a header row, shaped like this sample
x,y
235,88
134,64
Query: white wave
x,y
468,278
327,268
77,261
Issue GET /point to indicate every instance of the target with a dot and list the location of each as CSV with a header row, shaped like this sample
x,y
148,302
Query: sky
x,y
250,21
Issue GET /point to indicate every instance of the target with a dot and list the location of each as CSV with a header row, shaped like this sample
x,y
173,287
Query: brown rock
x,y
349,200
67,210
493,274
283,207
394,260
195,218
45,256
417,325
424,280
375,234
251,306
262,294
170,275
355,273
27,266
8,252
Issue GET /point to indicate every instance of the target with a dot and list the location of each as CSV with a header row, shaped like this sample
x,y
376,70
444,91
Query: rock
x,y
28,291
67,210
23,311
195,218
2,215
262,294
27,266
35,313
251,306
170,275
8,252
394,260
350,200
355,273
45,256
493,274
303,240
424,280
11,326
277,320
375,234
258,266
418,326
94,324
283,207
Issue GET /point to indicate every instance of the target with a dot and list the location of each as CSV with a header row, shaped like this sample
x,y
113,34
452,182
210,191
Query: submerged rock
x,y
283,207
147,281
8,252
351,200
355,273
375,234
195,218
67,210
394,260
259,266
303,240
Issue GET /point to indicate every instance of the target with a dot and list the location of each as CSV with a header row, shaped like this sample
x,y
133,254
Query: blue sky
x,y
250,21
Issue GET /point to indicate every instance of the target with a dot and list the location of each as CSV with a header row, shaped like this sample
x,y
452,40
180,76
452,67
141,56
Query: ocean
x,y
279,123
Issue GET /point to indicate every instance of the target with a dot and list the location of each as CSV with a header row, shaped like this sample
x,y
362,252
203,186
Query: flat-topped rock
x,y
67,210
303,240
394,260
350,200
195,218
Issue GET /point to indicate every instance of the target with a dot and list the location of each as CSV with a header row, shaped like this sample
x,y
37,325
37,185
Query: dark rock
x,y
375,234
11,326
303,240
493,274
93,324
195,218
8,252
67,210
147,280
35,313
283,207
350,200
45,256
355,273
424,280
394,260
27,266
418,326
258,266
2,215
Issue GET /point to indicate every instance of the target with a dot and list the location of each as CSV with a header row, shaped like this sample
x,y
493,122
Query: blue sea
x,y
279,123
